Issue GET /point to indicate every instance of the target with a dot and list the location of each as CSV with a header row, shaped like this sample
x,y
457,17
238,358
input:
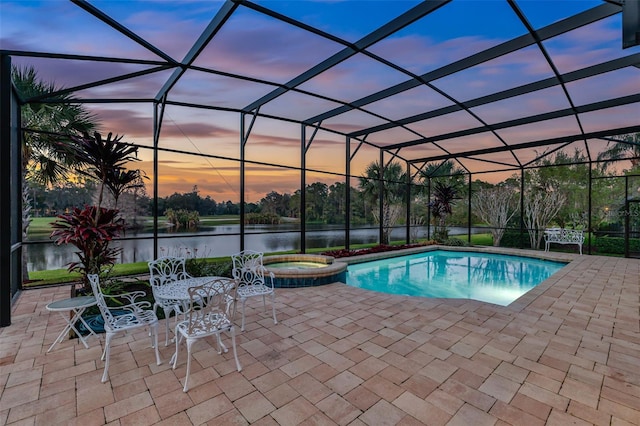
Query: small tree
x,y
416,221
495,206
540,207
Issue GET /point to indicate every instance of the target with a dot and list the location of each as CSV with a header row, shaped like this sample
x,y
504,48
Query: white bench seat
x,y
563,236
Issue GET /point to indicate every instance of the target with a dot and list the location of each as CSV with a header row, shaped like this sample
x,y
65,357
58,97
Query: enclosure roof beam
x,y
605,67
535,144
92,58
381,33
624,100
555,29
122,29
552,65
209,32
97,83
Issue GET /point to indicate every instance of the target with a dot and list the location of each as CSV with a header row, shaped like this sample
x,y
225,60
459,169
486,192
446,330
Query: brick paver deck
x,y
567,353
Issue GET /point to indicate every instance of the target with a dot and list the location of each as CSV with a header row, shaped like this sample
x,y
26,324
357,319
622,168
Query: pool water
x,y
492,278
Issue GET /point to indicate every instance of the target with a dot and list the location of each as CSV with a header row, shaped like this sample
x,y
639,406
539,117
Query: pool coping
x,y
544,255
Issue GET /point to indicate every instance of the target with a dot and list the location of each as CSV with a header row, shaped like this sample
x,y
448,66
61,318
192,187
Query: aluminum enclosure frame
x,y
161,100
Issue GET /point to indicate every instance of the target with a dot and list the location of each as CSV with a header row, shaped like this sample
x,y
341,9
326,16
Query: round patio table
x,y
77,305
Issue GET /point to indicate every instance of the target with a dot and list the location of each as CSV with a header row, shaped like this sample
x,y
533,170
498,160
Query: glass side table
x,y
77,305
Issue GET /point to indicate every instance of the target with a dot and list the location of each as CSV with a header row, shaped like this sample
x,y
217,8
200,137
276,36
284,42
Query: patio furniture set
x,y
201,306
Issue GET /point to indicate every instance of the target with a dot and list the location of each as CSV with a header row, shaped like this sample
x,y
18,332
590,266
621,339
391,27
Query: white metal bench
x,y
563,236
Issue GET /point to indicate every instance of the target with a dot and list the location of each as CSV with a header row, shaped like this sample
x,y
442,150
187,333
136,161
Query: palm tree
x,y
620,147
446,173
445,197
394,190
104,160
45,130
448,187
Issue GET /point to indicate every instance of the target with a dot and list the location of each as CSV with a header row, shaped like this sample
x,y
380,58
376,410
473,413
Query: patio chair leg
x,y
167,318
107,354
273,307
154,342
186,379
221,346
243,309
235,351
174,358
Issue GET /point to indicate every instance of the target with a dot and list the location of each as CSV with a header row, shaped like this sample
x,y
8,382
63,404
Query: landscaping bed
x,y
381,248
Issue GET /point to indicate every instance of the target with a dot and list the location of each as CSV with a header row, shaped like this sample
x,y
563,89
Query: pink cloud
x,y
258,47
421,54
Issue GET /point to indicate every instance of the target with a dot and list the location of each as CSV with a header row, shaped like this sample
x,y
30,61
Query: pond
x,y
225,242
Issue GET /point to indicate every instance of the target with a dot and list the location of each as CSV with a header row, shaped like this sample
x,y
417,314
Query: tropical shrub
x,y
262,219
91,230
181,218
454,242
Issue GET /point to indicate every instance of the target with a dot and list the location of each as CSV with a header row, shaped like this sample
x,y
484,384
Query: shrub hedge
x,y
615,245
515,239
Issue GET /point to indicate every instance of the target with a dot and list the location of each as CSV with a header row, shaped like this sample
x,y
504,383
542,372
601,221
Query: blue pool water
x,y
492,278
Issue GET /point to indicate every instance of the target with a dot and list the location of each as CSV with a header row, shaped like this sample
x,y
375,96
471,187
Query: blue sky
x,y
256,46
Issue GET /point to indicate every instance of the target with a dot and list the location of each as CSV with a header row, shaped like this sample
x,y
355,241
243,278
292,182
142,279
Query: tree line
x,y
325,203
438,189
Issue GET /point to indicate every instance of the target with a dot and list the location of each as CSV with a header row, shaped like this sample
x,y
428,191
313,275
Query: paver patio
x,y
568,352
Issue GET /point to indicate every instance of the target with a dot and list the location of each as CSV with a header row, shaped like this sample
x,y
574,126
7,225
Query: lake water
x,y
225,242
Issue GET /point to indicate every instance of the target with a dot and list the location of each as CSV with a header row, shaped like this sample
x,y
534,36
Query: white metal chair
x,y
115,321
208,315
249,273
162,271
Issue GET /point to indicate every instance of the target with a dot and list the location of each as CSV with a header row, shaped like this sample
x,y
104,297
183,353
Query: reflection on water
x,y
491,278
266,238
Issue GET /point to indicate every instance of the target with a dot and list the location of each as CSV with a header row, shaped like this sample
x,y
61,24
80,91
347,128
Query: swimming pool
x,y
487,277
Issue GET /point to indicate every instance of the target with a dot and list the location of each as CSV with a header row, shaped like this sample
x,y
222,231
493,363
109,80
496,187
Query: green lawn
x,y
58,276
40,226
477,239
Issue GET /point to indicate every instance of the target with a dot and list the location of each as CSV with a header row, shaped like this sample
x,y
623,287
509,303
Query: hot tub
x,y
304,270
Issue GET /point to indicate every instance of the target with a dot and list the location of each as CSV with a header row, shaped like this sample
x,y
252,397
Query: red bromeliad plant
x,y
91,231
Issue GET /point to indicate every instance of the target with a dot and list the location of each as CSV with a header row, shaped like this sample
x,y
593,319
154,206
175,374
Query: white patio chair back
x,y
253,279
125,314
162,271
209,314
167,269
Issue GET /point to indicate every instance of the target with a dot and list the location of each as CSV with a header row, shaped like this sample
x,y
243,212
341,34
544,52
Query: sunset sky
x,y
271,52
